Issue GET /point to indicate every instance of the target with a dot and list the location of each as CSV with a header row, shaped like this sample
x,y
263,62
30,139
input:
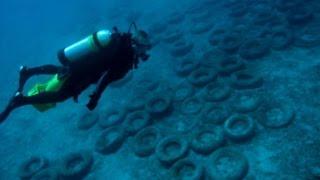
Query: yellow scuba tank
x,y
85,47
54,84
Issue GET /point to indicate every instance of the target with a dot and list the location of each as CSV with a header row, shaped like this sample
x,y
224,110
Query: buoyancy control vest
x,y
83,48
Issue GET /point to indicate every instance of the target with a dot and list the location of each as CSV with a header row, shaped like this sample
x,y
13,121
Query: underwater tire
x,y
173,37
214,115
201,16
216,92
111,118
246,80
254,49
159,105
87,121
181,49
76,165
263,17
281,39
32,166
202,76
207,139
146,141
230,65
230,42
187,169
136,121
238,10
158,28
144,86
201,28
309,38
47,174
239,128
110,140
216,36
136,103
299,16
191,106
285,5
182,92
227,164
185,66
247,103
175,18
276,116
171,149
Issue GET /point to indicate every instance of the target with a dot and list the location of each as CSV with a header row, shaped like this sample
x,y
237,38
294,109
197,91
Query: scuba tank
x,y
85,47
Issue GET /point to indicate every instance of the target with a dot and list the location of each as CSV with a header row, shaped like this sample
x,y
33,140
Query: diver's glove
x,y
92,104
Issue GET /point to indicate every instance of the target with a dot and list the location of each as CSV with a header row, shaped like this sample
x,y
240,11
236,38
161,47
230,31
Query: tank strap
x,y
96,41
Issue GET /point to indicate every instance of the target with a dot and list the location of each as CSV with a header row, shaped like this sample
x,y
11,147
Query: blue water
x,y
233,86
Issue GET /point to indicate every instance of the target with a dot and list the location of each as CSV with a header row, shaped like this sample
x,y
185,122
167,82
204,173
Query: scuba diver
x,y
101,58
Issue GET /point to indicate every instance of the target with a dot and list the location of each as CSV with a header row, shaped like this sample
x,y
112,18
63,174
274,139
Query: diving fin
x,y
14,102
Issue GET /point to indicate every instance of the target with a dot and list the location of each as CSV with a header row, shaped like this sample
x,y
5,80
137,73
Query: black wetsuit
x,y
110,64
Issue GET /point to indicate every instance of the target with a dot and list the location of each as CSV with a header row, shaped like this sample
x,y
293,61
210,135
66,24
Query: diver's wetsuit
x,y
110,64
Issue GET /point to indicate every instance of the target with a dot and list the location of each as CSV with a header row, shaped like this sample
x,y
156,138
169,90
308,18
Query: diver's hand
x,y
92,104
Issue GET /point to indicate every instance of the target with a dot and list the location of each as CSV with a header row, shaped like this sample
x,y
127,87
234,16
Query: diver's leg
x,y
26,73
19,100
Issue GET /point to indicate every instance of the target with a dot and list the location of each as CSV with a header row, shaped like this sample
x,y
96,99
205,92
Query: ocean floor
x,y
231,91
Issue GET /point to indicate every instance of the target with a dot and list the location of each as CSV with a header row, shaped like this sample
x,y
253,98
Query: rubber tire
x,y
299,16
202,76
47,174
159,106
205,145
108,145
245,133
173,37
177,170
254,49
169,159
136,121
112,118
231,42
286,39
245,80
181,49
175,18
201,16
287,117
87,121
182,92
247,103
216,36
201,28
191,106
238,11
237,169
26,170
145,141
79,171
230,65
186,66
214,115
158,28
136,104
216,92
309,38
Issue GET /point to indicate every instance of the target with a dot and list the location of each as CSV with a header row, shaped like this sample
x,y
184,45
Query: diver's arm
x,y
104,81
101,85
